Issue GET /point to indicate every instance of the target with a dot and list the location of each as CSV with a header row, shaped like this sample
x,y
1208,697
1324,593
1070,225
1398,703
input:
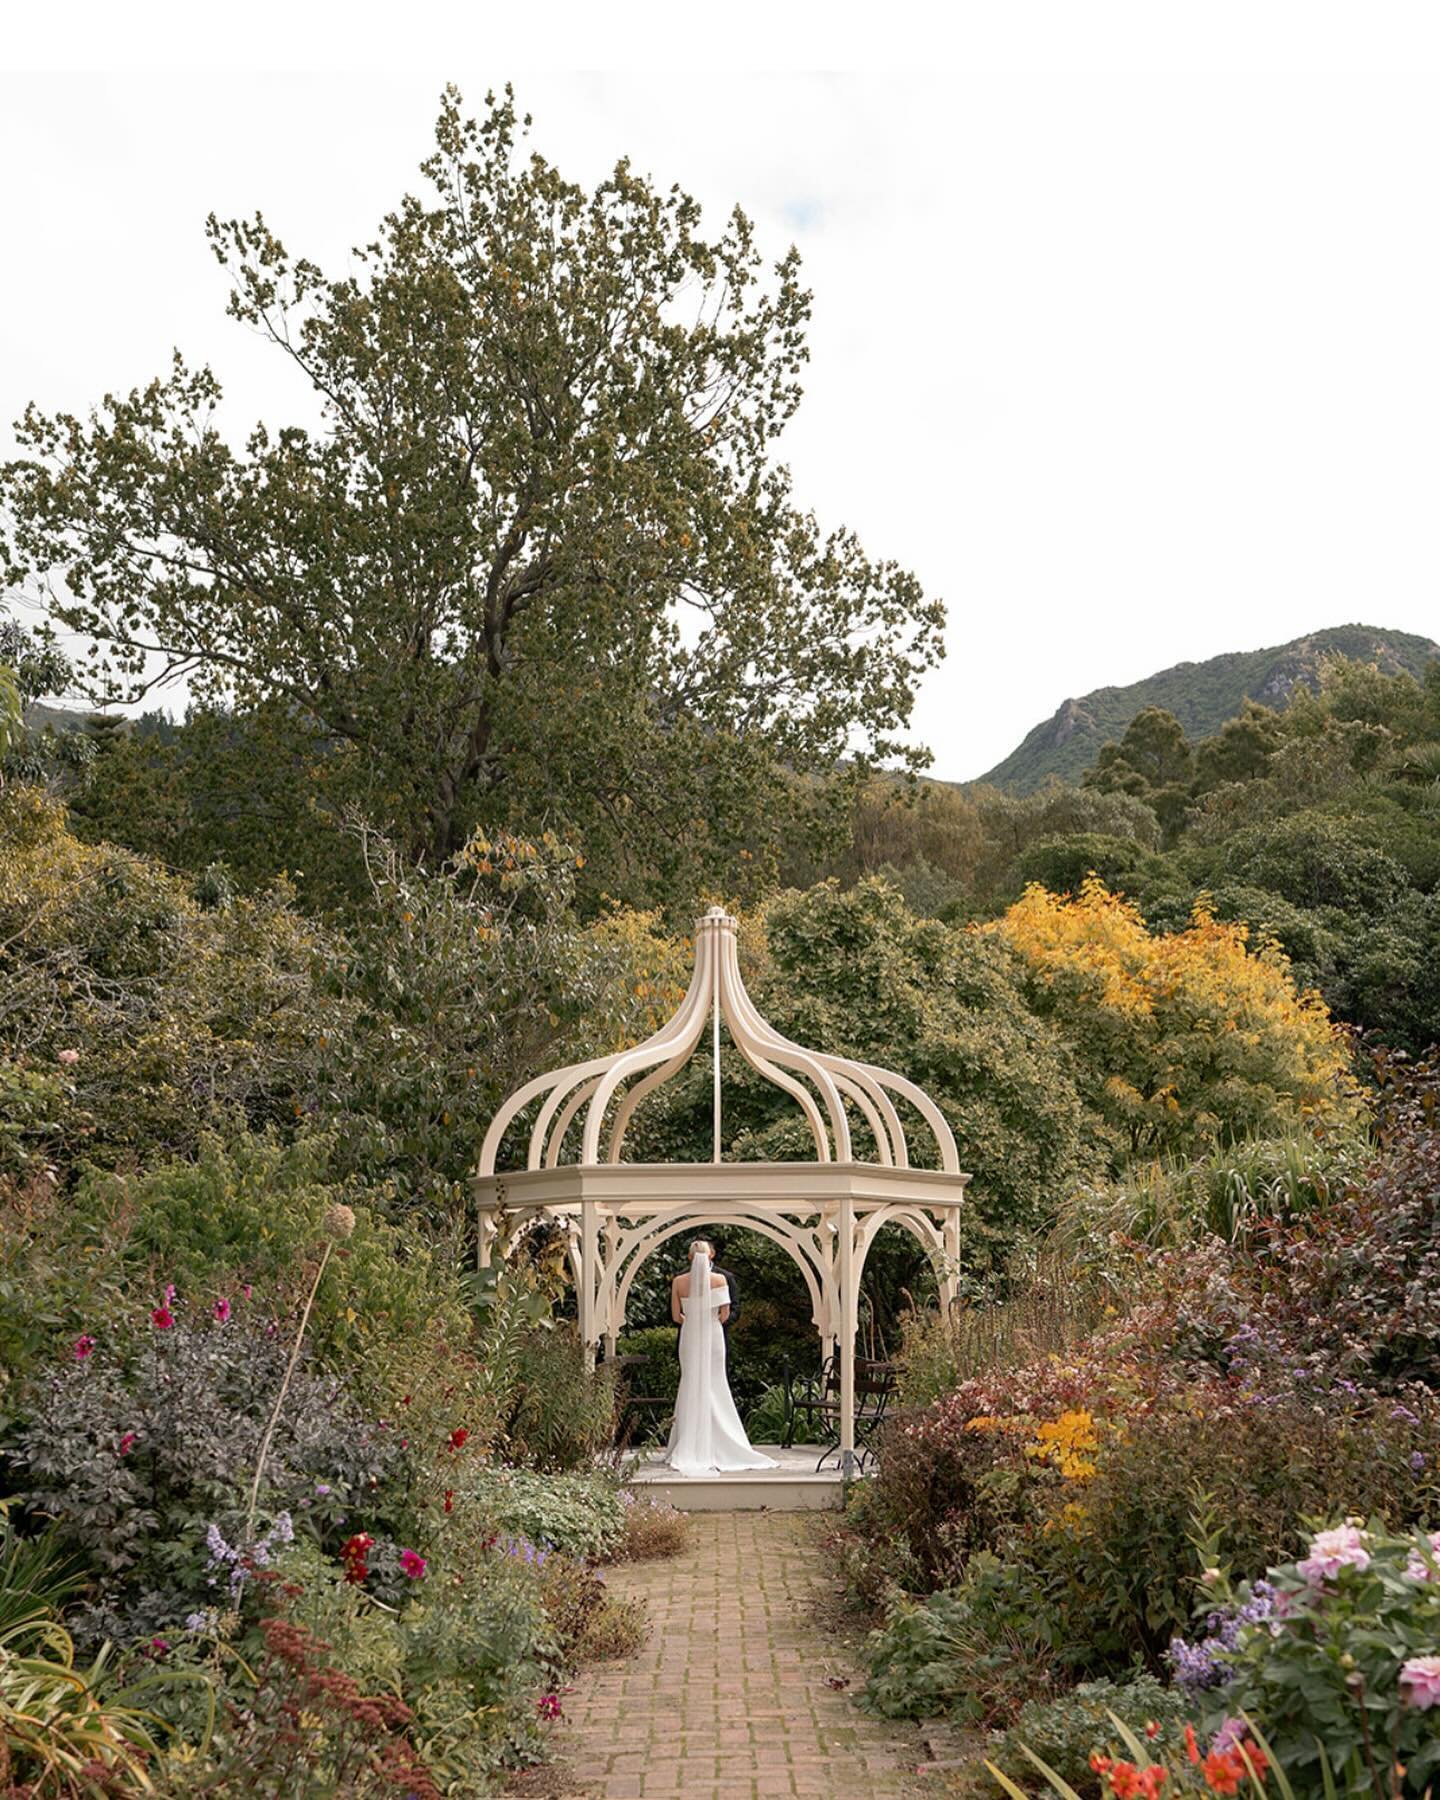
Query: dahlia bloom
x,y
1332,1551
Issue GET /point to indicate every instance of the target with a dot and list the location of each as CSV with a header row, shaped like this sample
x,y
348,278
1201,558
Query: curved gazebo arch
x,y
825,1213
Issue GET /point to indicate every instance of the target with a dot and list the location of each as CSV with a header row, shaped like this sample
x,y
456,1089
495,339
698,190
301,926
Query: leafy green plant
x,y
766,1421
67,1728
581,1515
37,1575
1344,1669
1067,1729
251,1209
973,1652
564,1415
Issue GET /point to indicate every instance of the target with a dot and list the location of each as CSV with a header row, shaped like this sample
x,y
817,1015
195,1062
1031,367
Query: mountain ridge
x,y
1201,694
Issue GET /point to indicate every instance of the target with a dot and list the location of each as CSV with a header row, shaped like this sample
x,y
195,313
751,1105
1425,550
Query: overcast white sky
x,y
1126,339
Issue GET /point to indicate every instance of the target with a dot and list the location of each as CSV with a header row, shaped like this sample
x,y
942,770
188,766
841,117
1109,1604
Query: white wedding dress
x,y
707,1437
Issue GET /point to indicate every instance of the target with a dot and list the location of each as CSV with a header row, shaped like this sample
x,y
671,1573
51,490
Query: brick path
x,y
728,1699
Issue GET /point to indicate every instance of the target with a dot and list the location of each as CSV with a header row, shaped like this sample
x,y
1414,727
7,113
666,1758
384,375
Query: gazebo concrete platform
x,y
792,1487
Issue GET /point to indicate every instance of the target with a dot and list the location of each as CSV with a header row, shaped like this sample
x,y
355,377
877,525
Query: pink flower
x,y
412,1564
1332,1551
162,1318
1420,1682
222,1309
159,1646
68,1057
169,1293
83,1346
245,1289
1418,1569
127,1443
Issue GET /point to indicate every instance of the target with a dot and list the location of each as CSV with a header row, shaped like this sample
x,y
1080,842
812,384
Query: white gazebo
x,y
824,1213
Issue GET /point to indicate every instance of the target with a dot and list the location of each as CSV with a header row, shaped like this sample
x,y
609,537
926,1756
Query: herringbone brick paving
x,y
729,1698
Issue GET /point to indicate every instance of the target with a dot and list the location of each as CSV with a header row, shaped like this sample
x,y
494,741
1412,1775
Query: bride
x,y
707,1435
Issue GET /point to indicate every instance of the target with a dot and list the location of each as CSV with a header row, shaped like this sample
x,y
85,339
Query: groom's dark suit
x,y
734,1303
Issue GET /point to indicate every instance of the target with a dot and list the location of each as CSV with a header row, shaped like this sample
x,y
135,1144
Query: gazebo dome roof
x,y
821,1083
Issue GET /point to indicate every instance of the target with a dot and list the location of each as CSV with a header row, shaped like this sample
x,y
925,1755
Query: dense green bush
x,y
972,1652
251,1210
1066,1730
580,1515
563,1415
1120,1568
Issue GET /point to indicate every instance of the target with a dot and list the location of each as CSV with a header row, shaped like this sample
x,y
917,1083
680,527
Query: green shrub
x,y
1228,1193
973,1652
660,1376
1065,1730
565,1412
251,1210
765,1423
580,1515
476,1655
1121,1569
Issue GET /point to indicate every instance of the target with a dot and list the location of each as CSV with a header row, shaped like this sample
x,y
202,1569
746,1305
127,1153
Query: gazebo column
x,y
950,1230
589,1273
847,1321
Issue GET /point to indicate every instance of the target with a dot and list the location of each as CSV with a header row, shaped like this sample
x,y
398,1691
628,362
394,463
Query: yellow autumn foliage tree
x,y
1183,1039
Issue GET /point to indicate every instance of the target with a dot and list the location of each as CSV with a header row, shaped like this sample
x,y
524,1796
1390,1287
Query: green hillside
x,y
1202,696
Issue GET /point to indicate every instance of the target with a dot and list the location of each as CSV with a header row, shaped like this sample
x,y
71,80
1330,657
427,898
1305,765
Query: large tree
x,y
537,557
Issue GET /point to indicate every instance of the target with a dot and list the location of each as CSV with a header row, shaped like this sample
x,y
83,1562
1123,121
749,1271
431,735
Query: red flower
x,y
354,1553
162,1318
548,1706
458,1437
1192,1749
449,1499
1152,1728
127,1443
83,1346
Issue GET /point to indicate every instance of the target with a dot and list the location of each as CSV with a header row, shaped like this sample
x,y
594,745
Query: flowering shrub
x,y
146,1461
1338,1654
